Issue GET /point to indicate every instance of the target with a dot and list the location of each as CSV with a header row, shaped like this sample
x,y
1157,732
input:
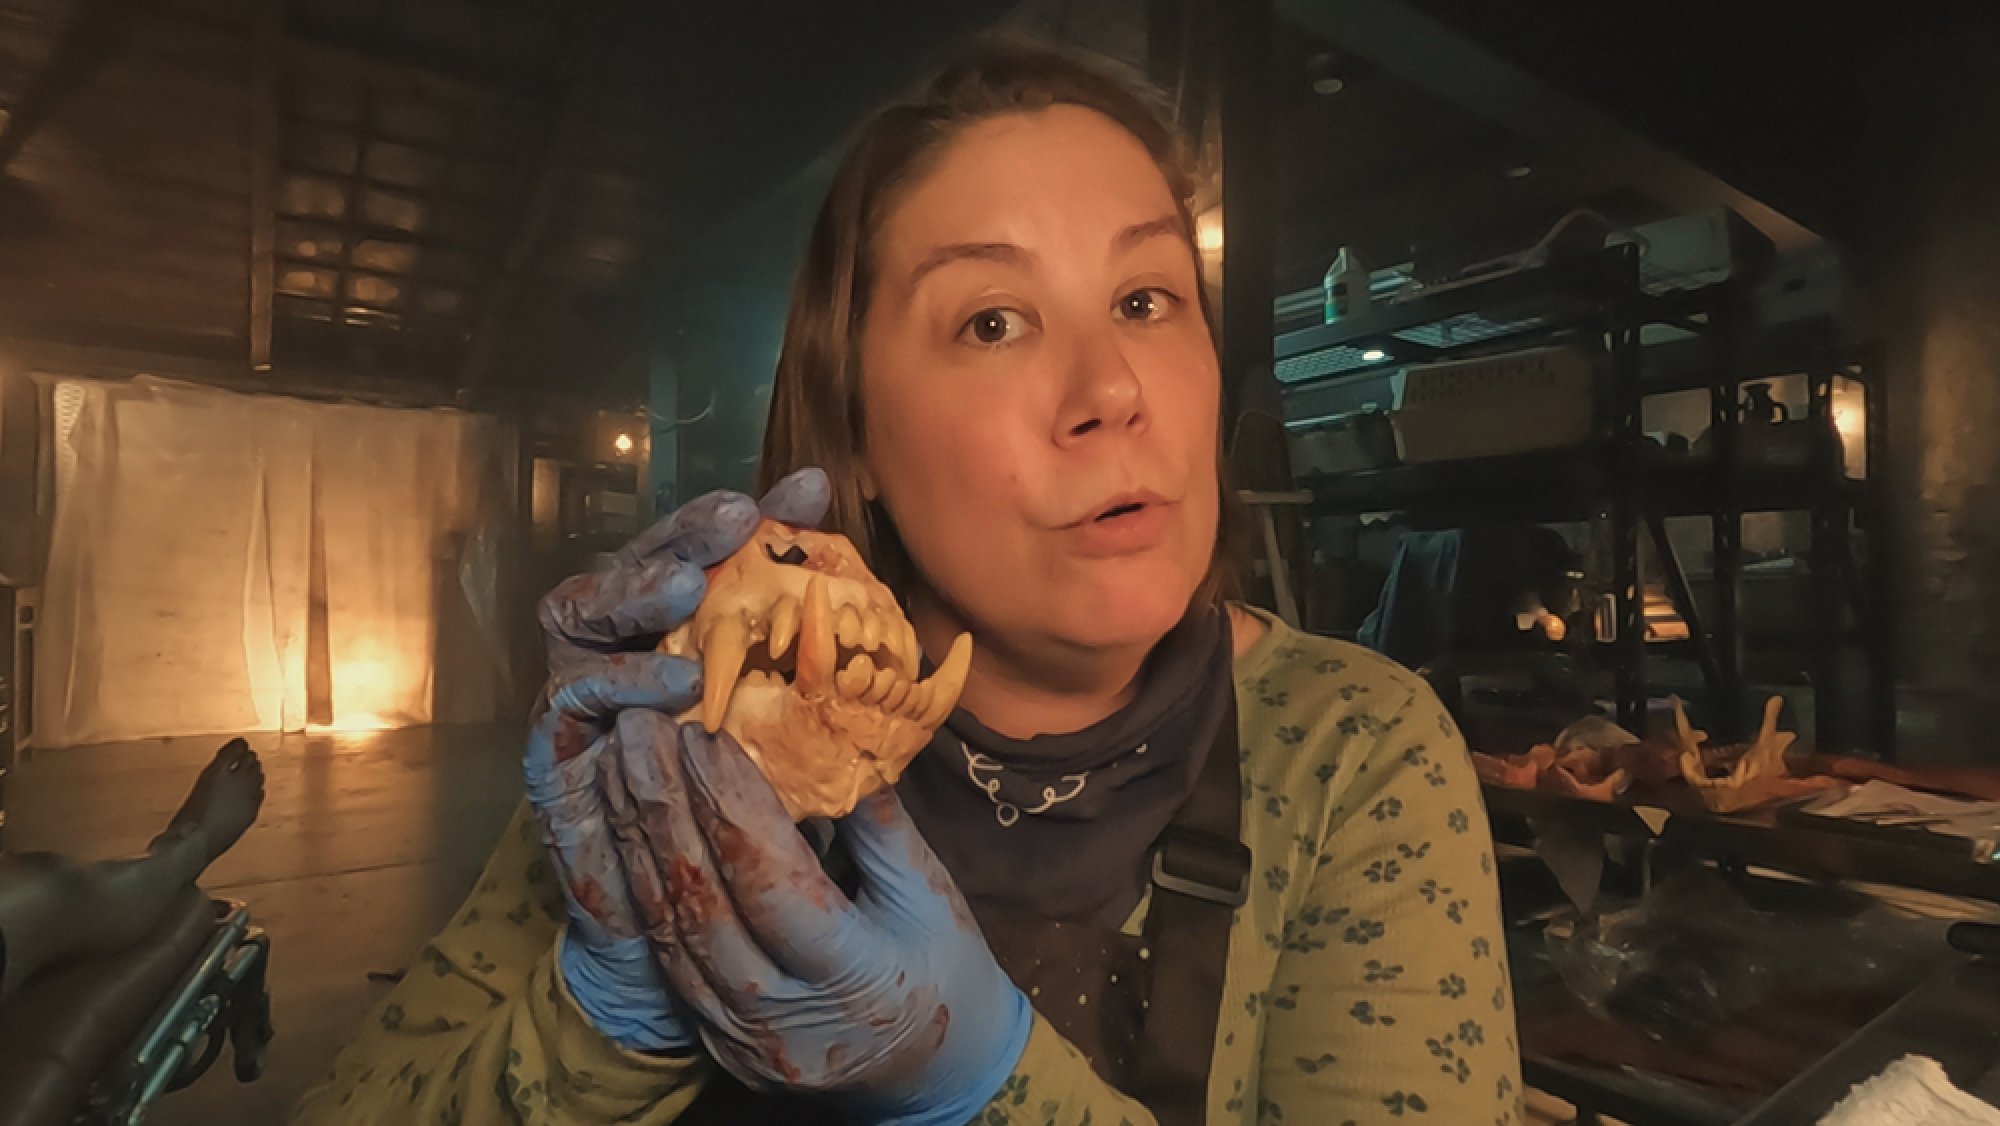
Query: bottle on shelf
x,y
1346,286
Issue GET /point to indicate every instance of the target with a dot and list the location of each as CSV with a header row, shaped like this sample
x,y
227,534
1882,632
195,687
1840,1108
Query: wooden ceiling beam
x,y
89,36
266,43
553,166
1397,38
392,71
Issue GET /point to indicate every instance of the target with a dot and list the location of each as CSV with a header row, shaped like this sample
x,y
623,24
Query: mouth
x,y
1125,504
863,654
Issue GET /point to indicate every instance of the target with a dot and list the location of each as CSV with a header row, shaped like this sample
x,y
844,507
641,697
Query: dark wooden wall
x,y
428,199
125,215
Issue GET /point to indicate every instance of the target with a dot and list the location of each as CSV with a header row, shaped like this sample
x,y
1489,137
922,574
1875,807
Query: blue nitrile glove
x,y
599,630
890,1004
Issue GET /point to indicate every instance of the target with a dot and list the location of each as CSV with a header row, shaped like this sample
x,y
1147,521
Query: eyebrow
x,y
1137,233
1006,253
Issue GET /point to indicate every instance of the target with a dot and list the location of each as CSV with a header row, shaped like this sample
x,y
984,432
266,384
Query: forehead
x,y
1062,173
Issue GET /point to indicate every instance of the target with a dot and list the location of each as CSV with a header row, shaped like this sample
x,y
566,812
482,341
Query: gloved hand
x,y
599,630
891,1003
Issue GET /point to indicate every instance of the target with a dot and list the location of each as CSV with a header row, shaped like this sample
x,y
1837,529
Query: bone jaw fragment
x,y
808,661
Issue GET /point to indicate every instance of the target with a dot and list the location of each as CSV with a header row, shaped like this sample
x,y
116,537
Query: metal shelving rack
x,y
1598,301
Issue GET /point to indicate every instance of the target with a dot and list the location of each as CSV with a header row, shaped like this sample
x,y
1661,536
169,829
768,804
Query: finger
x,y
651,898
767,866
901,877
560,773
801,499
705,947
606,611
573,713
582,849
704,532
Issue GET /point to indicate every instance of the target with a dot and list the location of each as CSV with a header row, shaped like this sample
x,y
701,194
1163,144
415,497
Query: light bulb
x,y
1208,231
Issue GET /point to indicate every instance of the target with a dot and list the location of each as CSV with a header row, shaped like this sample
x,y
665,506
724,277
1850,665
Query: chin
x,y
1127,604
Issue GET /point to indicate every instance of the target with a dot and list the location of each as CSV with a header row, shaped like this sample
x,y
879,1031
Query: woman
x,y
999,353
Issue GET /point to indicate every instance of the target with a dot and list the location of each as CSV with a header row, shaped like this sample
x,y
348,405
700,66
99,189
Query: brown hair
x,y
816,409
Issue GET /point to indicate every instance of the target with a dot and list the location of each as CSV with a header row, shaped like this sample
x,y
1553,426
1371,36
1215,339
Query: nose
x,y
1102,392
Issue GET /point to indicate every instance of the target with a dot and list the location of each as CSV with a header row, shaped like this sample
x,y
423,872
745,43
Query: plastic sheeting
x,y
223,562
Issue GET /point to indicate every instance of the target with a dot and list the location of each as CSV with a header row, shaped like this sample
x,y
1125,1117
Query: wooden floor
x,y
365,846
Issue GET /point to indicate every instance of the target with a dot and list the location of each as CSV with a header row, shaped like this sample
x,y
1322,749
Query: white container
x,y
1345,288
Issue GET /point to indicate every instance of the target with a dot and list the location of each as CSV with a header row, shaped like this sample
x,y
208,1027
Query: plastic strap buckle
x,y
1202,866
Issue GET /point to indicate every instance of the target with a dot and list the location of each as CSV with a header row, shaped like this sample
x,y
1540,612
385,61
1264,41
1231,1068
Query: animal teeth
x,y
903,639
898,692
847,628
784,625
816,650
947,682
878,688
722,652
856,678
872,630
918,701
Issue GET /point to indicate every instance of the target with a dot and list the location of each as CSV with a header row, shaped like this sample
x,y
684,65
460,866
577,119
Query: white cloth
x,y
223,562
1913,1091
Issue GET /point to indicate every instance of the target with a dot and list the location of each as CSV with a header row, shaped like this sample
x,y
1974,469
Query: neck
x,y
1021,688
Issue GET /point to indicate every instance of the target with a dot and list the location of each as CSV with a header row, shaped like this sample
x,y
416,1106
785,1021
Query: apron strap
x,y
1200,876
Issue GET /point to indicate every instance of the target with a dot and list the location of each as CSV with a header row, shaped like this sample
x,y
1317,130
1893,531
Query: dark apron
x,y
1141,1009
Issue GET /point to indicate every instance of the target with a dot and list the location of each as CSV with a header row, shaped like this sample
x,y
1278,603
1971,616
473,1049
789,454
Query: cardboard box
x,y
1543,398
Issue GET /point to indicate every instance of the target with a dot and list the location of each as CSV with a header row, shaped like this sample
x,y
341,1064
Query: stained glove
x,y
889,1003
599,631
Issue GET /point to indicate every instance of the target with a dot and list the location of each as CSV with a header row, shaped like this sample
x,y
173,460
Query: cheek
x,y
944,463
1184,392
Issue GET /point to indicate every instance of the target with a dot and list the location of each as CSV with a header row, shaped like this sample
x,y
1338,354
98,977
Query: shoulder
x,y
1318,708
1289,670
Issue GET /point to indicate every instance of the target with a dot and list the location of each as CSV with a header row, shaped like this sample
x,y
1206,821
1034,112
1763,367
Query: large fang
x,y
878,688
784,625
816,650
853,680
947,682
917,702
722,654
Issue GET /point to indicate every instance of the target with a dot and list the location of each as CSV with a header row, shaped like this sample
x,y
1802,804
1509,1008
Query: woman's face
x,y
1040,387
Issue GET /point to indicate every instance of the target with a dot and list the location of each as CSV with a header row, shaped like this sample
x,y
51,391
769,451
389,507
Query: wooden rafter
x,y
588,34
89,36
1424,51
266,41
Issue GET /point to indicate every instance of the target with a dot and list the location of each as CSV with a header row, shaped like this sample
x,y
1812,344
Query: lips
x,y
1123,504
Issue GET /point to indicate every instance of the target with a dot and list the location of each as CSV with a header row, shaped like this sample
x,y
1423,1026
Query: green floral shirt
x,y
1366,981
1367,975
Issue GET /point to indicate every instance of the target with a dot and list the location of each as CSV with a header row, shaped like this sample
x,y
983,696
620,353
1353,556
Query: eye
x,y
1149,304
793,556
992,328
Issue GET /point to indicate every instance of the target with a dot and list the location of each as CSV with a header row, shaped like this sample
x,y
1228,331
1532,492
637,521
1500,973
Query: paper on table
x,y
1575,854
1885,803
1913,1091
